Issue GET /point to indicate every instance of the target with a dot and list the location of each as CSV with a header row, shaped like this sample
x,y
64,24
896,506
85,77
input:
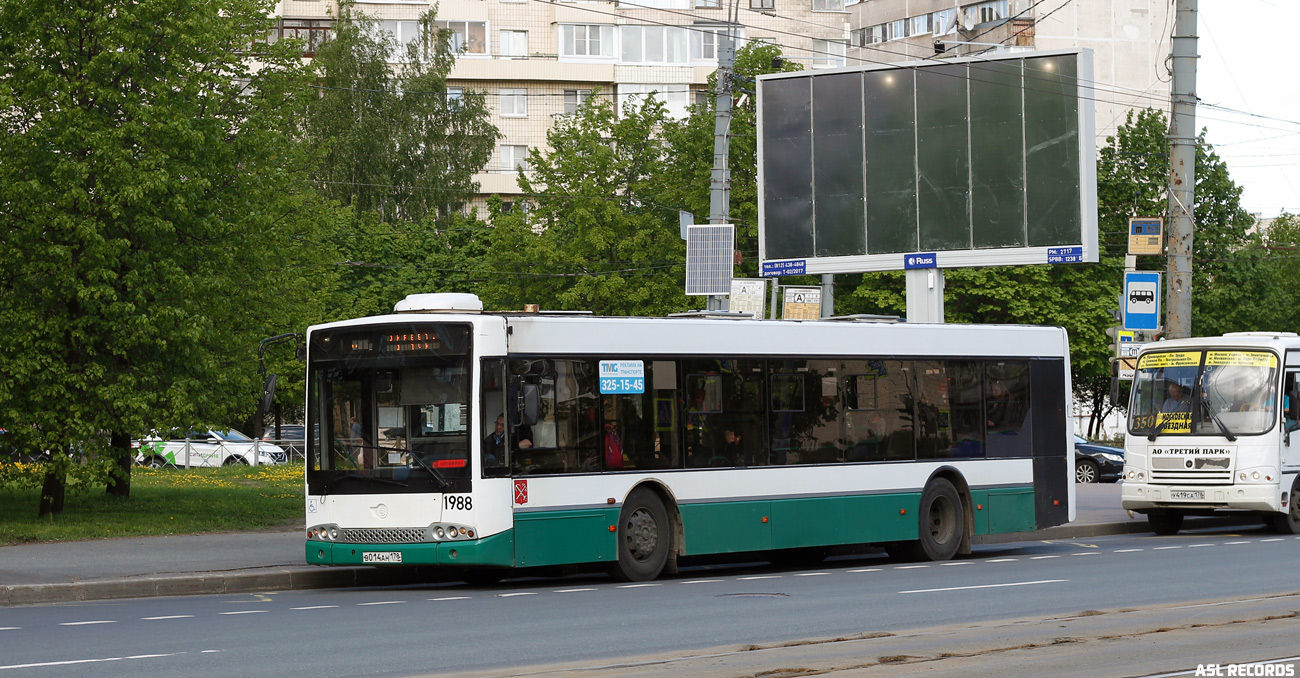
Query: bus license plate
x,y
381,557
1184,494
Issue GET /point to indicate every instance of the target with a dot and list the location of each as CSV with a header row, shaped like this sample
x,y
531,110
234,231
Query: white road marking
x,y
1002,560
11,628
512,595
1197,546
636,586
1234,543
170,616
1046,557
869,569
209,651
1127,550
245,612
1085,553
71,662
573,590
315,607
703,581
450,598
953,564
811,574
1265,541
85,623
761,576
911,567
1164,548
989,586
384,602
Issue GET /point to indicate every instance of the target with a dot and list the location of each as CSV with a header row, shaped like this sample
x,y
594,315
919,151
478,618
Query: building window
x,y
944,21
586,40
404,32
918,25
514,158
514,103
514,43
653,44
574,98
660,4
705,40
708,4
675,97
455,97
985,12
312,32
762,4
828,5
828,54
467,37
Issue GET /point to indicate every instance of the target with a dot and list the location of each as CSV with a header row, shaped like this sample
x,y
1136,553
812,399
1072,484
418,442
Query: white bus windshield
x,y
1204,392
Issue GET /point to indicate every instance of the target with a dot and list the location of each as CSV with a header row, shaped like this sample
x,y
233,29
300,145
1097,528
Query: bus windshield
x,y
390,407
1204,392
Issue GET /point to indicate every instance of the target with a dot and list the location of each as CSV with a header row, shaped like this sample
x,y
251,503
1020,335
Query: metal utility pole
x,y
1182,172
719,181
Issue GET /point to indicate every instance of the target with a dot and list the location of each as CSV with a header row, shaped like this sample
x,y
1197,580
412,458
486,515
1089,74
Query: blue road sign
x,y
1065,255
920,260
1141,301
786,267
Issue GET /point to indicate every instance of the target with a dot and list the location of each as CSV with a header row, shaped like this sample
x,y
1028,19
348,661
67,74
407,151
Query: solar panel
x,y
709,259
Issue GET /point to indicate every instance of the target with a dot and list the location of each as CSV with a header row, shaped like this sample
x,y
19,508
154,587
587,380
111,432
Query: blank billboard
x,y
984,161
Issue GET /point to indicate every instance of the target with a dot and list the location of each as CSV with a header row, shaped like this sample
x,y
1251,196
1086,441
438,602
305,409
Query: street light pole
x,y
720,179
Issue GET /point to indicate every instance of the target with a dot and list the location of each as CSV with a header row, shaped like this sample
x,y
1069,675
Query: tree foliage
x,y
396,142
151,194
592,232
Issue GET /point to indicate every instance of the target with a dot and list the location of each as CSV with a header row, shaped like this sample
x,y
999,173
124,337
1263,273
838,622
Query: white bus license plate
x,y
381,557
1174,494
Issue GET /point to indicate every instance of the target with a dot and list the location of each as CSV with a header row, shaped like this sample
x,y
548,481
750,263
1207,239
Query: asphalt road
x,y
1128,593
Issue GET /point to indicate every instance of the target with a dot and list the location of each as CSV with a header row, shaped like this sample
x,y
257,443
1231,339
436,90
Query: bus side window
x,y
1291,402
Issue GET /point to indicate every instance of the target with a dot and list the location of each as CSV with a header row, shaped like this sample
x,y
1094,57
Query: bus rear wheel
x,y
942,521
644,537
1165,522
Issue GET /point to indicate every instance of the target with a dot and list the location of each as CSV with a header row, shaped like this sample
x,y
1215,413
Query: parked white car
x,y
213,448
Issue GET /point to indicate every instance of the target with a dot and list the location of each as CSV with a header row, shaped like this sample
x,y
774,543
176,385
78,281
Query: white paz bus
x,y
443,435
1212,427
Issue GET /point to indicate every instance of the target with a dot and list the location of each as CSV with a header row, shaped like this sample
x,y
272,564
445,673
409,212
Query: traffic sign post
x,y
1141,300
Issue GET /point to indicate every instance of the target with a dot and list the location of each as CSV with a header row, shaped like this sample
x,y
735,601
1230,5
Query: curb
x,y
318,577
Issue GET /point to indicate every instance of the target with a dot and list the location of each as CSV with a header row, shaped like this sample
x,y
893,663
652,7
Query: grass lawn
x,y
163,501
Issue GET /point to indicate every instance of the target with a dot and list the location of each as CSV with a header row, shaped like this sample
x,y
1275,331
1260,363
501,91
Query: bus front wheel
x,y
1289,522
643,537
1165,522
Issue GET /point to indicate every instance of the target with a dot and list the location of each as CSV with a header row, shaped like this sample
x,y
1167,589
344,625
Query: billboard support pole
x,y
828,295
925,295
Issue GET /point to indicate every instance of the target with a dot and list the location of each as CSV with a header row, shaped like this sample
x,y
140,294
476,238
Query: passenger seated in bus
x,y
733,450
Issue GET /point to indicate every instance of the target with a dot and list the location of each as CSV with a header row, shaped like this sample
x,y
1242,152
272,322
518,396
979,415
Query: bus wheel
x,y
1165,522
643,537
942,521
1289,522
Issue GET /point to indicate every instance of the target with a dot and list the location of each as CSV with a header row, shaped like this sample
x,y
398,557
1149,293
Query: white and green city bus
x,y
1210,429
633,442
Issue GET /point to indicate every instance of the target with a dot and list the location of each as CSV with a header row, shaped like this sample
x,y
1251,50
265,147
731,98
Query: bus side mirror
x,y
529,403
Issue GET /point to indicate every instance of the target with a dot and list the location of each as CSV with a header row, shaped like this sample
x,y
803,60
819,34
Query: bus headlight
x,y
439,532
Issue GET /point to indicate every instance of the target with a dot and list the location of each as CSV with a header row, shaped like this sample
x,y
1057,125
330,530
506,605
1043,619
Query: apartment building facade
x,y
539,59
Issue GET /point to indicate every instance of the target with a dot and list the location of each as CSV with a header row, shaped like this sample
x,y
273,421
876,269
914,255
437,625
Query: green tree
x,y
396,141
688,175
151,218
595,234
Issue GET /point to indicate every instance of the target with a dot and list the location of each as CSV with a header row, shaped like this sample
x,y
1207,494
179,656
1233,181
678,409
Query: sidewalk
x,y
234,562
